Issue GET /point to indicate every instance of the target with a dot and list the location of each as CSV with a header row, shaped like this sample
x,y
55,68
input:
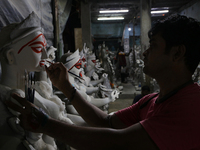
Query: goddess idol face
x,y
91,60
84,62
30,52
77,69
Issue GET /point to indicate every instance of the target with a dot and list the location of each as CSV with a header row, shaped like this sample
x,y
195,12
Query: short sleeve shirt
x,y
173,124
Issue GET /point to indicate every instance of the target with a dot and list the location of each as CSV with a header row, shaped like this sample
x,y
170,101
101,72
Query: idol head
x,y
23,44
72,62
83,55
83,59
91,60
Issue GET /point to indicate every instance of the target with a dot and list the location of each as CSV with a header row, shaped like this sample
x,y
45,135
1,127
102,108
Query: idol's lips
x,y
80,74
45,62
42,63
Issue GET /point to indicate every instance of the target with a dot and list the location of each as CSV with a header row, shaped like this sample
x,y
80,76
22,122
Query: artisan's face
x,y
156,62
30,52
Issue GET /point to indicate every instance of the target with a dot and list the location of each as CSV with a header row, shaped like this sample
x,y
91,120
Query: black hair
x,y
180,30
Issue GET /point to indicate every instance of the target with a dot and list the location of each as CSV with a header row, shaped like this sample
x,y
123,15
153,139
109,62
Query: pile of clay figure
x,y
24,52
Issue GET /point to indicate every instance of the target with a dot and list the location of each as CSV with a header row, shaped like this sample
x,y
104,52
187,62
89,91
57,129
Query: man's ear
x,y
10,56
179,52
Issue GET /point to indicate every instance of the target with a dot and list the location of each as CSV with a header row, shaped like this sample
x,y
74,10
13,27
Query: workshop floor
x,y
125,98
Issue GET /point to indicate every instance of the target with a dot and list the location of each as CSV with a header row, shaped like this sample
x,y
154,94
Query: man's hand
x,y
58,75
31,117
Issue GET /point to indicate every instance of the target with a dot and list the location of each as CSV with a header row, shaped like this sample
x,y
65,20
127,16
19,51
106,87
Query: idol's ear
x,y
10,56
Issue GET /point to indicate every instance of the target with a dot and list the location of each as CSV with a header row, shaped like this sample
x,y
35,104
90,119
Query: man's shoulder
x,y
147,97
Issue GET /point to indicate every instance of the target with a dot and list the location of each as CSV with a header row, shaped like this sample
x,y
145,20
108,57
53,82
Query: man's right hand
x,y
58,75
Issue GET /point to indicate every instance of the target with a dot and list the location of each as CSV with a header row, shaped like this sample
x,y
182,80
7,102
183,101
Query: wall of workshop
x,y
13,11
129,34
192,11
112,33
108,30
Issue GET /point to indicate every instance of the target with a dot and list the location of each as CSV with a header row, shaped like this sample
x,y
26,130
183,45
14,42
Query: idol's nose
x,y
44,54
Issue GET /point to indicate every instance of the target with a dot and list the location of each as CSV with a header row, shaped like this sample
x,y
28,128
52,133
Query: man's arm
x,y
82,138
89,138
93,115
90,113
134,137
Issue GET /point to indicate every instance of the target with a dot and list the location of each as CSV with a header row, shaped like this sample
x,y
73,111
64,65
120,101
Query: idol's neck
x,y
13,77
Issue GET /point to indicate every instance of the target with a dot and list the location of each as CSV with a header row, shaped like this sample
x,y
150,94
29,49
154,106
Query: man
x,y
166,120
145,91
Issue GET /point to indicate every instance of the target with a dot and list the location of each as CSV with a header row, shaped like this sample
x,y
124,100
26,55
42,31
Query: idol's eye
x,y
37,49
37,46
78,65
94,61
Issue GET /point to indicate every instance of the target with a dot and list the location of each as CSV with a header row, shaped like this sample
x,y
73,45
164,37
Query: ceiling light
x,y
159,11
113,11
129,29
110,18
